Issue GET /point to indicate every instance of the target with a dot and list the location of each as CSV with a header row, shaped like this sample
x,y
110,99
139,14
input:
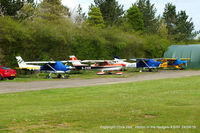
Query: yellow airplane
x,y
173,62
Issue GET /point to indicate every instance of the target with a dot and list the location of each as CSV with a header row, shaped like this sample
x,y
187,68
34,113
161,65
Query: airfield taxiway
x,y
10,87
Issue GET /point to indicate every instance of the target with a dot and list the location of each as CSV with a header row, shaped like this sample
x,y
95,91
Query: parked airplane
x,y
101,65
77,63
51,67
124,63
149,64
173,62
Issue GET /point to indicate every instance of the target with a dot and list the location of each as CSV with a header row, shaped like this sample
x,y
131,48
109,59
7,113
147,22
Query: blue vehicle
x,y
51,67
154,64
149,64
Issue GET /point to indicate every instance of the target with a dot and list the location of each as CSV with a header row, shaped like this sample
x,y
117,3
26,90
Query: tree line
x,y
49,31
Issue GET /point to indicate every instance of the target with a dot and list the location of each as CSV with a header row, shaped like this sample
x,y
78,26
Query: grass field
x,y
74,75
128,107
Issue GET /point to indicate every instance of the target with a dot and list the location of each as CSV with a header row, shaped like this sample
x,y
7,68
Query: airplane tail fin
x,y
116,58
74,60
20,62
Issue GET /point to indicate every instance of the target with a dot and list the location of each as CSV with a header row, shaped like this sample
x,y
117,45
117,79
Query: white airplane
x,y
101,65
124,63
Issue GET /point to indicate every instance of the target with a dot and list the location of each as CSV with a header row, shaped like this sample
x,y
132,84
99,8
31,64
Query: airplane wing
x,y
44,62
65,61
170,59
139,59
70,61
119,59
41,62
94,61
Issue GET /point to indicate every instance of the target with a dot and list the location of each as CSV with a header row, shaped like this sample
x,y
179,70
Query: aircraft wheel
x,y
1,78
100,73
119,73
110,72
59,76
48,77
66,77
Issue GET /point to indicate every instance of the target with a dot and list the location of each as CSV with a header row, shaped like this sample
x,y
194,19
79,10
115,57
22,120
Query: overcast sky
x,y
192,7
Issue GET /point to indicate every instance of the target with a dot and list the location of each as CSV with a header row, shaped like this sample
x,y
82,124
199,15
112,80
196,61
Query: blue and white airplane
x,y
149,64
51,67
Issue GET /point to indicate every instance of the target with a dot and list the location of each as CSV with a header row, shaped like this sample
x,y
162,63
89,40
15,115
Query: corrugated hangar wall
x,y
185,51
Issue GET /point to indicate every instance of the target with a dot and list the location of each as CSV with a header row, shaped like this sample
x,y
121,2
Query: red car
x,y
7,73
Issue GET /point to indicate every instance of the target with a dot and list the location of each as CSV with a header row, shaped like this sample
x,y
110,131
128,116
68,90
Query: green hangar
x,y
185,51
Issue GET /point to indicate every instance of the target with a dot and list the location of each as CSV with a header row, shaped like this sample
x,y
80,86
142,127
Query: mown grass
x,y
167,102
73,75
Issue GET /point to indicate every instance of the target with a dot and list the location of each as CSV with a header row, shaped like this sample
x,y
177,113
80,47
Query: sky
x,y
192,7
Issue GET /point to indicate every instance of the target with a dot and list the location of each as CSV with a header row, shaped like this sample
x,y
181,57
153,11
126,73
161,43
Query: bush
x,y
40,39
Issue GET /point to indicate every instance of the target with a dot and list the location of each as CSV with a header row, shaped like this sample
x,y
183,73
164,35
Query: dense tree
x,y
163,31
184,27
169,17
135,18
1,11
80,16
95,17
57,2
180,26
46,32
155,46
52,10
1,56
10,7
26,12
111,11
148,10
44,40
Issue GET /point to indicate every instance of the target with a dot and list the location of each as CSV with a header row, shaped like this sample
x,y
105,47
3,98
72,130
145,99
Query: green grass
x,y
73,75
167,102
86,74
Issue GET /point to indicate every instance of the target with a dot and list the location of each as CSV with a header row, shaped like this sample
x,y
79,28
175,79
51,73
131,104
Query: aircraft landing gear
x,y
153,70
59,76
110,72
49,76
101,73
66,77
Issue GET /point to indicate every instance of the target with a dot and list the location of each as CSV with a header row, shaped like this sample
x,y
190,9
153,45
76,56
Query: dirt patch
x,y
149,116
25,128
